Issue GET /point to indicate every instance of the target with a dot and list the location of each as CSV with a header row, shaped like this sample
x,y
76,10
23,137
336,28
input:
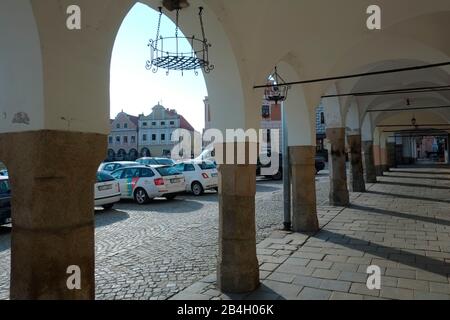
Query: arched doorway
x,y
111,155
133,155
121,155
145,152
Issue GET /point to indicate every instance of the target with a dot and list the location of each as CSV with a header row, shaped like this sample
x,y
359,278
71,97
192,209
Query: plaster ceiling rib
x,y
409,125
391,92
408,109
359,75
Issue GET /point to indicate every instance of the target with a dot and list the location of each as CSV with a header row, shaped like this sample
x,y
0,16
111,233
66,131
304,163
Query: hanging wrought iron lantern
x,y
278,90
165,52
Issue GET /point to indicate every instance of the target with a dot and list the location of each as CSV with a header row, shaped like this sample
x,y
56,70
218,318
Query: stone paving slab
x,y
402,225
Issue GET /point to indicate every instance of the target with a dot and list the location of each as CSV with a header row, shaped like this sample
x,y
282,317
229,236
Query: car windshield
x,y
167,171
165,162
4,186
207,165
148,162
104,177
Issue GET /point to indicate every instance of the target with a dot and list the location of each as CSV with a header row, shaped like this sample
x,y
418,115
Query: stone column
x,y
238,269
303,180
357,183
391,155
52,176
369,162
338,174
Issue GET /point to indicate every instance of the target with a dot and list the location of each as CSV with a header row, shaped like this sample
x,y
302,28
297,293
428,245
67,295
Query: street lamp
x,y
277,94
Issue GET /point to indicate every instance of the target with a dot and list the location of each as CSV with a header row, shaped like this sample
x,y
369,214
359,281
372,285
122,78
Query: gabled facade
x,y
156,129
123,139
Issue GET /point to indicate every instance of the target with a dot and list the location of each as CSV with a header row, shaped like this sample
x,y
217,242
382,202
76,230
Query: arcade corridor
x,y
402,225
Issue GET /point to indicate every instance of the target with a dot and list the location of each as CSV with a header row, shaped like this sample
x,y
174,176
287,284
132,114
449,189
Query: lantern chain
x,y
201,24
159,27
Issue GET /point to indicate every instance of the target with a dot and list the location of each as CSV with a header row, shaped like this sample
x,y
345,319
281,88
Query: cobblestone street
x,y
155,251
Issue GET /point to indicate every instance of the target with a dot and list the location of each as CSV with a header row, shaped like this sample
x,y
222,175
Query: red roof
x,y
184,124
134,119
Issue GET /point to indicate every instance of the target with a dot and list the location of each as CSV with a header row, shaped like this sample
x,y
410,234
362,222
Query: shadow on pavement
x,y
402,196
393,254
415,185
401,215
108,217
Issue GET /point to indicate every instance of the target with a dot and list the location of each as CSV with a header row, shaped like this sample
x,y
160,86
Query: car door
x,y
188,171
118,175
147,178
131,178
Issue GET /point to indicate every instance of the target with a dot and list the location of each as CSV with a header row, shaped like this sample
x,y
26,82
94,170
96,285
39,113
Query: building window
x,y
153,123
125,125
117,139
118,126
163,123
110,140
144,137
153,137
269,137
163,137
133,139
322,118
144,124
125,139
172,123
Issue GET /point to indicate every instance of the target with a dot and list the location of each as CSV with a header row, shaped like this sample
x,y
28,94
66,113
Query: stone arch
x,y
21,76
224,84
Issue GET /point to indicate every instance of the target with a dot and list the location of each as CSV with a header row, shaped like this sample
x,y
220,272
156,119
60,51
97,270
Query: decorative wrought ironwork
x,y
278,89
165,52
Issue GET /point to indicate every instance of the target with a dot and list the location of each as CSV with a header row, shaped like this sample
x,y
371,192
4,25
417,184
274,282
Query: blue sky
x,y
136,90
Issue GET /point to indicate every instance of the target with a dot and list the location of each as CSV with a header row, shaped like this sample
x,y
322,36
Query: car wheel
x,y
197,189
140,196
171,196
108,206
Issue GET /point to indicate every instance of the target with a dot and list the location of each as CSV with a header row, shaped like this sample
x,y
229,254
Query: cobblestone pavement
x,y
154,251
402,225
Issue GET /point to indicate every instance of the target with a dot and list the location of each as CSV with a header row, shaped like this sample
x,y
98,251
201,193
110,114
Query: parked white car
x,y
107,191
4,173
155,161
199,175
144,183
113,166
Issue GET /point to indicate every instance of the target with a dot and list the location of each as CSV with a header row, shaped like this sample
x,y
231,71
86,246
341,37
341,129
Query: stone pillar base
x,y
52,175
357,183
303,180
339,195
369,162
238,268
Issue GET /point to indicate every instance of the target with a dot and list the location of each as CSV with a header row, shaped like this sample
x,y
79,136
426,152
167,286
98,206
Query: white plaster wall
x,y
366,129
332,108
299,119
352,124
21,84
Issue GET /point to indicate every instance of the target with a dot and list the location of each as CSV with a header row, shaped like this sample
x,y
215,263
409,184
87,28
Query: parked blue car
x,y
5,201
